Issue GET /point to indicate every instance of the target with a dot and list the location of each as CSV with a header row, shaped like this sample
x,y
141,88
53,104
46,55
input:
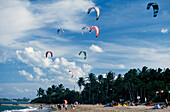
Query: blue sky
x,y
129,37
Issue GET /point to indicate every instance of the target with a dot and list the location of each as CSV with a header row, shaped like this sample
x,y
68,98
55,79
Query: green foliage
x,y
99,89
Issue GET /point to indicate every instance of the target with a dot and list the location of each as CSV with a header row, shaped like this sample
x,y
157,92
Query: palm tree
x,y
100,78
101,81
49,91
110,77
40,92
80,82
92,79
53,88
61,88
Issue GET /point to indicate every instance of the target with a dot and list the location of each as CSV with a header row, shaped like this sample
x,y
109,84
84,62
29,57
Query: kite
x,y
85,54
97,11
96,29
48,52
155,8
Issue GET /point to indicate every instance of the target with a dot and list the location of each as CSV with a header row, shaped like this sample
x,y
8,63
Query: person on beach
x,y
41,107
59,106
145,100
76,103
166,103
66,107
65,104
51,107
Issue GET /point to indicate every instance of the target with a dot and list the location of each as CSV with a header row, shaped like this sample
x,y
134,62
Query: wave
x,y
31,109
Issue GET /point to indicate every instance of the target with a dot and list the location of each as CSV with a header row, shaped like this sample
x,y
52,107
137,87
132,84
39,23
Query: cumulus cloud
x,y
38,71
95,48
164,30
32,58
56,68
26,74
87,68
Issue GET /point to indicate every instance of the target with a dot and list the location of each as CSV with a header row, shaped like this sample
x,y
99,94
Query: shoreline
x,y
95,108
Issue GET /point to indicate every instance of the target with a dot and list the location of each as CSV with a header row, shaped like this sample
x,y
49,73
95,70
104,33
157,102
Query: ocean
x,y
15,108
10,102
10,108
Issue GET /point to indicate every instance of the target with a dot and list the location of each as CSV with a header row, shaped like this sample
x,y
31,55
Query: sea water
x,y
15,108
3,108
23,109
10,102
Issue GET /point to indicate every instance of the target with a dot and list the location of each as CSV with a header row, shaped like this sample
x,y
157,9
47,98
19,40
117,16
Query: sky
x,y
129,37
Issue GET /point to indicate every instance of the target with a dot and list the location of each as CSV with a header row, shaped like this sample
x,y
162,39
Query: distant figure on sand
x,y
65,104
166,103
73,106
41,107
59,106
66,107
145,100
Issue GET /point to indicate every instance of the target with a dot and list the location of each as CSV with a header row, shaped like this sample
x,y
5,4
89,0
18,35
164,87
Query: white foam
x,y
30,109
23,110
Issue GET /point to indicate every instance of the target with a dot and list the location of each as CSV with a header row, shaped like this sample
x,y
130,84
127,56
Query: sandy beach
x,y
95,108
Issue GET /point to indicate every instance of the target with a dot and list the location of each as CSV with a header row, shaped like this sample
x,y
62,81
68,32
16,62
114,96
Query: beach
x,y
95,108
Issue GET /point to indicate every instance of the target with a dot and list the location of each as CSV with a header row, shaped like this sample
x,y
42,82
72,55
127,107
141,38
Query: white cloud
x,y
21,90
55,68
105,65
87,68
164,30
18,90
4,57
27,90
22,20
152,55
15,20
33,58
38,71
95,48
67,14
121,66
26,74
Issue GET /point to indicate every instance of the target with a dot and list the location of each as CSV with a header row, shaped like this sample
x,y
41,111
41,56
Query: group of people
x,y
65,106
128,103
159,106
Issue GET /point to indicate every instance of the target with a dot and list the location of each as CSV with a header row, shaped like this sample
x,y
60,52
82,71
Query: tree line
x,y
99,89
